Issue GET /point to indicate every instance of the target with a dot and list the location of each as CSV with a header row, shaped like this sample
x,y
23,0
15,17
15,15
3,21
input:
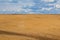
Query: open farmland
x,y
29,27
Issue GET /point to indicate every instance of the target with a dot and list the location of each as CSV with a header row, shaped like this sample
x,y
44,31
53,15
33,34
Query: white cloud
x,y
18,7
50,4
57,6
48,9
27,10
48,0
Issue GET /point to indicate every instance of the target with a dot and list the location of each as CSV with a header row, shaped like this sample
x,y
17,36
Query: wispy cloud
x,y
29,6
48,9
48,0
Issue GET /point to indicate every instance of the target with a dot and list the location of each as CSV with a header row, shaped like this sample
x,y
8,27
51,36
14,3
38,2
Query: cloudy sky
x,y
30,6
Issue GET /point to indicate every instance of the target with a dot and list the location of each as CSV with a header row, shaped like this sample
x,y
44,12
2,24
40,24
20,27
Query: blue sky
x,y
30,6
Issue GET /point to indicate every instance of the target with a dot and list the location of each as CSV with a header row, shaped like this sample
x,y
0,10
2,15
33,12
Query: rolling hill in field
x,y
29,27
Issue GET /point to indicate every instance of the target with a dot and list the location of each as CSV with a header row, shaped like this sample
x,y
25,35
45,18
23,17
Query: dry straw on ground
x,y
29,27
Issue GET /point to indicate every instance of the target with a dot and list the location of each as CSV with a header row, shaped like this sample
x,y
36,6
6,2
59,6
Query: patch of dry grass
x,y
34,27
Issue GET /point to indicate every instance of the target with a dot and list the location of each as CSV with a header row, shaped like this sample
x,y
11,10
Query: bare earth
x,y
30,27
